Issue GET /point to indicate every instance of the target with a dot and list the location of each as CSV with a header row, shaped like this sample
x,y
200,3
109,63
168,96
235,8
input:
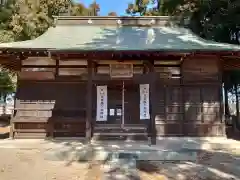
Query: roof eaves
x,y
194,51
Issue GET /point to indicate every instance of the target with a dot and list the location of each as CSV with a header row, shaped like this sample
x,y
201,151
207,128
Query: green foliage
x,y
112,14
209,19
6,83
146,8
27,19
94,9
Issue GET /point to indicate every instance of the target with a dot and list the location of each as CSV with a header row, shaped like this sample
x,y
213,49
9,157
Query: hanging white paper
x,y
102,103
144,101
119,112
111,112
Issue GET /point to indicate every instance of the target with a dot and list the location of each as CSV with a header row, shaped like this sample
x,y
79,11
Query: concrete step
x,y
119,133
104,154
119,129
120,137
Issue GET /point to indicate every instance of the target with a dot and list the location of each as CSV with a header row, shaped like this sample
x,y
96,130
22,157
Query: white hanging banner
x,y
102,111
144,101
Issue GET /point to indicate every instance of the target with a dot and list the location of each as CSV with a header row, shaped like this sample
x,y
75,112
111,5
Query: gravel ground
x,y
30,164
17,164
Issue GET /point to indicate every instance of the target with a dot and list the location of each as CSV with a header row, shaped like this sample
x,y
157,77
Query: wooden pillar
x,y
221,105
89,101
220,79
51,121
12,125
182,89
153,99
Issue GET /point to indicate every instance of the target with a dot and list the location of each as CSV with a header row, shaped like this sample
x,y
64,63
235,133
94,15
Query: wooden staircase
x,y
116,132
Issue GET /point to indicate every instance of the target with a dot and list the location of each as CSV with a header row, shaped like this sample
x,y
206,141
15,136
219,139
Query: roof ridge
x,y
112,20
112,17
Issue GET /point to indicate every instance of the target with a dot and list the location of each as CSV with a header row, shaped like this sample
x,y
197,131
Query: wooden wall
x,y
187,100
44,109
50,98
190,105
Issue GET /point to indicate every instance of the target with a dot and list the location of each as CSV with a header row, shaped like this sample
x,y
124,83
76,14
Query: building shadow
x,y
4,126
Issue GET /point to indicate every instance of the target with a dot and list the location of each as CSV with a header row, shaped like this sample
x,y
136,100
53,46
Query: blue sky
x,y
107,6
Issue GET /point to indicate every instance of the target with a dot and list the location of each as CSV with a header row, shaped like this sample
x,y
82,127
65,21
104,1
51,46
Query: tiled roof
x,y
106,37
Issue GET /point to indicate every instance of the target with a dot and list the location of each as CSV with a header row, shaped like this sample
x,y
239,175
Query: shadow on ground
x,y
208,165
4,126
232,134
4,135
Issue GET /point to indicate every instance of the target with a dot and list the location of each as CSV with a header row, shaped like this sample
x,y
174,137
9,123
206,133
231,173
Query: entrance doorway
x,y
123,103
122,121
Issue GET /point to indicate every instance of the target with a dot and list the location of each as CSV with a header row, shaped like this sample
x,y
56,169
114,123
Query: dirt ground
x,y
19,164
4,130
30,164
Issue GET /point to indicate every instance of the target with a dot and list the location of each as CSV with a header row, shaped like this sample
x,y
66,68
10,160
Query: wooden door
x,y
131,103
115,103
130,113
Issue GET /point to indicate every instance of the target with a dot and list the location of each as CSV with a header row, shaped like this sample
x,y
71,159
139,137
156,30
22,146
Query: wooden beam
x,y
182,88
129,55
57,67
12,125
54,66
220,79
89,101
152,102
138,78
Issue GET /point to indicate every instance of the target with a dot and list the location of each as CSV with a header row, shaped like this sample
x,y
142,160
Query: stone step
x,y
120,136
118,133
101,153
136,130
120,126
149,155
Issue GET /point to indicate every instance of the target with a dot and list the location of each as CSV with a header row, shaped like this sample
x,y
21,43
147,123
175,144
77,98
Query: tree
x,y
214,20
210,19
141,7
79,9
94,9
7,86
27,19
112,14
6,11
32,18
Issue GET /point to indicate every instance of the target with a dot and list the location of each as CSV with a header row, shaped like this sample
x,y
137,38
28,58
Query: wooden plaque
x,y
121,70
